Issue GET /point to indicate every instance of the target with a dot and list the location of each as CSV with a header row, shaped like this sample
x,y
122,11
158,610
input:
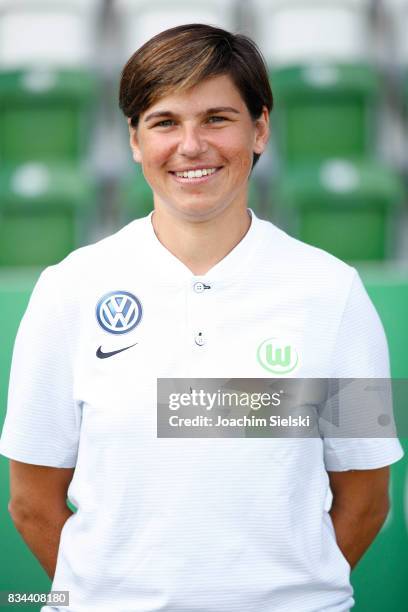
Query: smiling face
x,y
196,149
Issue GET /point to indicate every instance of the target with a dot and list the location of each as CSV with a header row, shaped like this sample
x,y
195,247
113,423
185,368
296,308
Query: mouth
x,y
196,175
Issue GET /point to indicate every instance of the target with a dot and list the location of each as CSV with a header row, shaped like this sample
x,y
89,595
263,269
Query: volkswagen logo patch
x,y
118,312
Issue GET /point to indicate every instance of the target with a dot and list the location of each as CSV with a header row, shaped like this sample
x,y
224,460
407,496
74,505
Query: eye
x,y
216,119
164,123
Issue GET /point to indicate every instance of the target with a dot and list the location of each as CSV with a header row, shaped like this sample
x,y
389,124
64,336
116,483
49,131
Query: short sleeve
x,y
360,351
42,422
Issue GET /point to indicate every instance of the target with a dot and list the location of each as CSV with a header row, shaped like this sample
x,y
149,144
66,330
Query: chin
x,y
196,209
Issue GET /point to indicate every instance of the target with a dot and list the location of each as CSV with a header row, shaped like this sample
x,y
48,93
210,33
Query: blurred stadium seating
x,y
48,94
45,114
328,81
45,210
334,203
307,31
49,32
142,19
397,17
325,110
335,175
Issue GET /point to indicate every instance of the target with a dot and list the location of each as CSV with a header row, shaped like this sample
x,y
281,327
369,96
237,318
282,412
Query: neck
x,y
201,245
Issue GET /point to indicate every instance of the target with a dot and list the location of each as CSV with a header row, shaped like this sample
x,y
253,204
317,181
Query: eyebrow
x,y
209,111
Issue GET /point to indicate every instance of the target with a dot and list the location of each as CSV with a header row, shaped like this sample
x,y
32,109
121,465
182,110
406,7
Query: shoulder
x,y
117,251
309,267
113,248
66,286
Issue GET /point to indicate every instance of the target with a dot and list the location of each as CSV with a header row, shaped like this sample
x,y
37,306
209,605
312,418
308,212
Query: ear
x,y
134,143
261,131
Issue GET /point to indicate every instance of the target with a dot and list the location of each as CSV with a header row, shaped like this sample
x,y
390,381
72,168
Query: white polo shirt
x,y
190,525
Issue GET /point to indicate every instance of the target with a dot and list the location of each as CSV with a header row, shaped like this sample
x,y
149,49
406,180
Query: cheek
x,y
156,153
240,154
237,146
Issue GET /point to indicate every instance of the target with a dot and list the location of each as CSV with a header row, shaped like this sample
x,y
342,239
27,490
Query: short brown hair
x,y
182,57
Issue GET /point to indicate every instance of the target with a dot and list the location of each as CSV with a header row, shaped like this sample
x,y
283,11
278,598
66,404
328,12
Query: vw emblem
x,y
118,312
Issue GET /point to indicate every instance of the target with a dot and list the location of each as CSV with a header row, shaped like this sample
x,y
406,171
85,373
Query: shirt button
x,y
199,339
200,287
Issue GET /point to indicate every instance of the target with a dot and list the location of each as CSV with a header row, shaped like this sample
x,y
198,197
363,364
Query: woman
x,y
201,288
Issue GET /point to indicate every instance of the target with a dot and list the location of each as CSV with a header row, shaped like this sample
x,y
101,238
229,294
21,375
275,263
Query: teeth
x,y
195,173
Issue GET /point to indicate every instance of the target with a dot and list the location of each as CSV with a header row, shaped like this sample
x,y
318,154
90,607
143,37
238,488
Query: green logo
x,y
277,357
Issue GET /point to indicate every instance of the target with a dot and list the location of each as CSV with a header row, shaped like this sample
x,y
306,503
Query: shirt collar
x,y
234,264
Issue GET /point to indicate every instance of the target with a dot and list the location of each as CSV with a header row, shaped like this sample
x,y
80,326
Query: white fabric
x,y
184,525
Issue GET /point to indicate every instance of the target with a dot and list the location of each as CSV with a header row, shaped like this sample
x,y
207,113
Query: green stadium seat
x,y
350,209
44,213
45,114
324,110
15,289
256,199
136,198
387,286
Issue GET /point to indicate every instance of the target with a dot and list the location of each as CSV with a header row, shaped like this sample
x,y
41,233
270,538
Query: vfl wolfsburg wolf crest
x,y
277,356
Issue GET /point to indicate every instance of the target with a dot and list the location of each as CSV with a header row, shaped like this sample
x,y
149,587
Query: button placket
x,y
199,316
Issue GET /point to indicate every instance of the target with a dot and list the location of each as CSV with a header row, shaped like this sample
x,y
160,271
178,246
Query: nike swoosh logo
x,y
101,355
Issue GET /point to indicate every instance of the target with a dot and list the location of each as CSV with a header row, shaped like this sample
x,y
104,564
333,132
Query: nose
x,y
192,143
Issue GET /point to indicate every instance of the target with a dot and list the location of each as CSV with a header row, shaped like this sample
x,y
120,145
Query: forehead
x,y
219,91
